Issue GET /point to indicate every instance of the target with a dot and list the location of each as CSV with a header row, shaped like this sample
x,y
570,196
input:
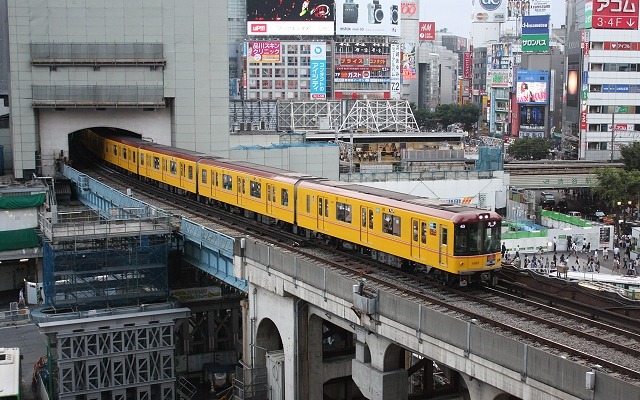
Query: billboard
x,y
532,92
535,33
408,61
395,72
296,17
467,65
368,17
318,70
520,8
531,116
615,14
489,11
263,52
427,31
500,57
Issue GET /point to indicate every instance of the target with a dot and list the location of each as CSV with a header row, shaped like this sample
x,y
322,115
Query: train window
x,y
217,181
284,197
492,237
320,206
227,182
326,207
423,238
243,186
391,224
134,157
115,150
269,193
416,232
343,212
460,242
156,163
124,153
273,193
172,167
364,217
182,169
444,240
308,204
141,159
255,189
164,164
204,176
190,176
370,219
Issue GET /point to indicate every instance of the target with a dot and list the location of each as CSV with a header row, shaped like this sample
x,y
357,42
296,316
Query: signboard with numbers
x,y
615,14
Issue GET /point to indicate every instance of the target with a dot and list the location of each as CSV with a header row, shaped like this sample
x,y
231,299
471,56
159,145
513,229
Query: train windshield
x,y
477,238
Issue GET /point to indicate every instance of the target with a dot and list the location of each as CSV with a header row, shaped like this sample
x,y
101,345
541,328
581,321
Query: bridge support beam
x,y
377,369
479,390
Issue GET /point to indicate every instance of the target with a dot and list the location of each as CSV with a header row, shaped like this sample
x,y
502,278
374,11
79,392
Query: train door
x,y
443,248
181,175
240,191
320,214
366,223
418,237
271,198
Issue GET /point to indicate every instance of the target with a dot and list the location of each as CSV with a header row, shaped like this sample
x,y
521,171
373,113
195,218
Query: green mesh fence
x,y
565,218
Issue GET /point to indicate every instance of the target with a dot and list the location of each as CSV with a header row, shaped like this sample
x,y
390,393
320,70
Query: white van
x,y
574,214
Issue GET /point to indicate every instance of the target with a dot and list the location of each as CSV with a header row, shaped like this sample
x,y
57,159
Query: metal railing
x,y
111,96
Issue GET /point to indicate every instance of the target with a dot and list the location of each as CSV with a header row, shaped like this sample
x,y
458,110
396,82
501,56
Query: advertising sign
x,y
368,17
489,11
531,116
588,14
532,92
499,79
427,31
500,56
467,65
535,33
535,43
273,17
264,52
409,10
318,70
615,14
520,8
408,61
395,71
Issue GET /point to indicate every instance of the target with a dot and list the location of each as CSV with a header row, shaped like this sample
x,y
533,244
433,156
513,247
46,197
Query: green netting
x,y
23,201
19,239
565,218
524,234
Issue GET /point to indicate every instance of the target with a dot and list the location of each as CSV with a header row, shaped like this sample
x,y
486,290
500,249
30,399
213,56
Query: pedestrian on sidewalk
x,y
595,254
605,253
21,298
555,244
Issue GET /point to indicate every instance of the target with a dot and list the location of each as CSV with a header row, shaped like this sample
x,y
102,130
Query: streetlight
x,y
618,219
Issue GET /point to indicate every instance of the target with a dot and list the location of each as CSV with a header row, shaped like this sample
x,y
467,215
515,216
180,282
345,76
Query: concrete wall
x,y
525,372
5,141
315,160
194,38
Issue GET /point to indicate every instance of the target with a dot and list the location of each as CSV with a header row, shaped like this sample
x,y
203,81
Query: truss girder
x,y
308,115
138,360
380,116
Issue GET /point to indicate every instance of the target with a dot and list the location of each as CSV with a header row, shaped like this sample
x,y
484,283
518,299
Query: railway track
x,y
583,340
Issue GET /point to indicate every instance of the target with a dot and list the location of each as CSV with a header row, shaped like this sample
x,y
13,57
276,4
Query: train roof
x,y
262,170
174,151
437,208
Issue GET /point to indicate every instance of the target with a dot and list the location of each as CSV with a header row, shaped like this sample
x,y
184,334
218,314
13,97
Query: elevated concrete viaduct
x,y
291,300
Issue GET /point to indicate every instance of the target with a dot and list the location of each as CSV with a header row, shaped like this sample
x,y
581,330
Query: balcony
x,y
96,55
116,96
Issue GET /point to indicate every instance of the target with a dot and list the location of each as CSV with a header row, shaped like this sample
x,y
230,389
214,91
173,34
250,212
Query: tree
x,y
631,156
468,115
530,149
615,184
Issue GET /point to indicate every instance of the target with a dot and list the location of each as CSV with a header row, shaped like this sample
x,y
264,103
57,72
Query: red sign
x,y
427,31
466,65
258,28
615,14
621,46
408,9
351,60
583,120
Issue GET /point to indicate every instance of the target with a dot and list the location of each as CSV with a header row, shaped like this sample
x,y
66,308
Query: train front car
x,y
476,247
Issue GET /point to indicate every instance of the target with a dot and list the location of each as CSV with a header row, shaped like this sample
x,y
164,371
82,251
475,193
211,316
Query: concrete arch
x,y
55,126
268,338
393,358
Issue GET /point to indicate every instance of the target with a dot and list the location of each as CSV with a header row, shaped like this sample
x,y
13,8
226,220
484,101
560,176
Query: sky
x,y
455,15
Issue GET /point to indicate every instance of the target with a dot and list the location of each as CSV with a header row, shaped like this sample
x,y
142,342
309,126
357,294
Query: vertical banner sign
x,y
318,65
264,52
535,33
585,39
466,65
615,14
409,67
427,31
588,14
395,71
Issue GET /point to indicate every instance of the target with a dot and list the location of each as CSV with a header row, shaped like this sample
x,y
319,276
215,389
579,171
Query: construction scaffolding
x,y
93,262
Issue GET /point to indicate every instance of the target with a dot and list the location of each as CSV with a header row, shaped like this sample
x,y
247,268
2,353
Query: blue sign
x,y
318,71
585,77
490,5
535,24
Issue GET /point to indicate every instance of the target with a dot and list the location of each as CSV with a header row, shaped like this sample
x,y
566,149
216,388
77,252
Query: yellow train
x,y
454,244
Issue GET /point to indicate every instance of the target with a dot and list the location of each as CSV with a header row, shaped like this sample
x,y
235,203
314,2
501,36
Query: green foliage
x,y
530,149
631,156
445,115
615,184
